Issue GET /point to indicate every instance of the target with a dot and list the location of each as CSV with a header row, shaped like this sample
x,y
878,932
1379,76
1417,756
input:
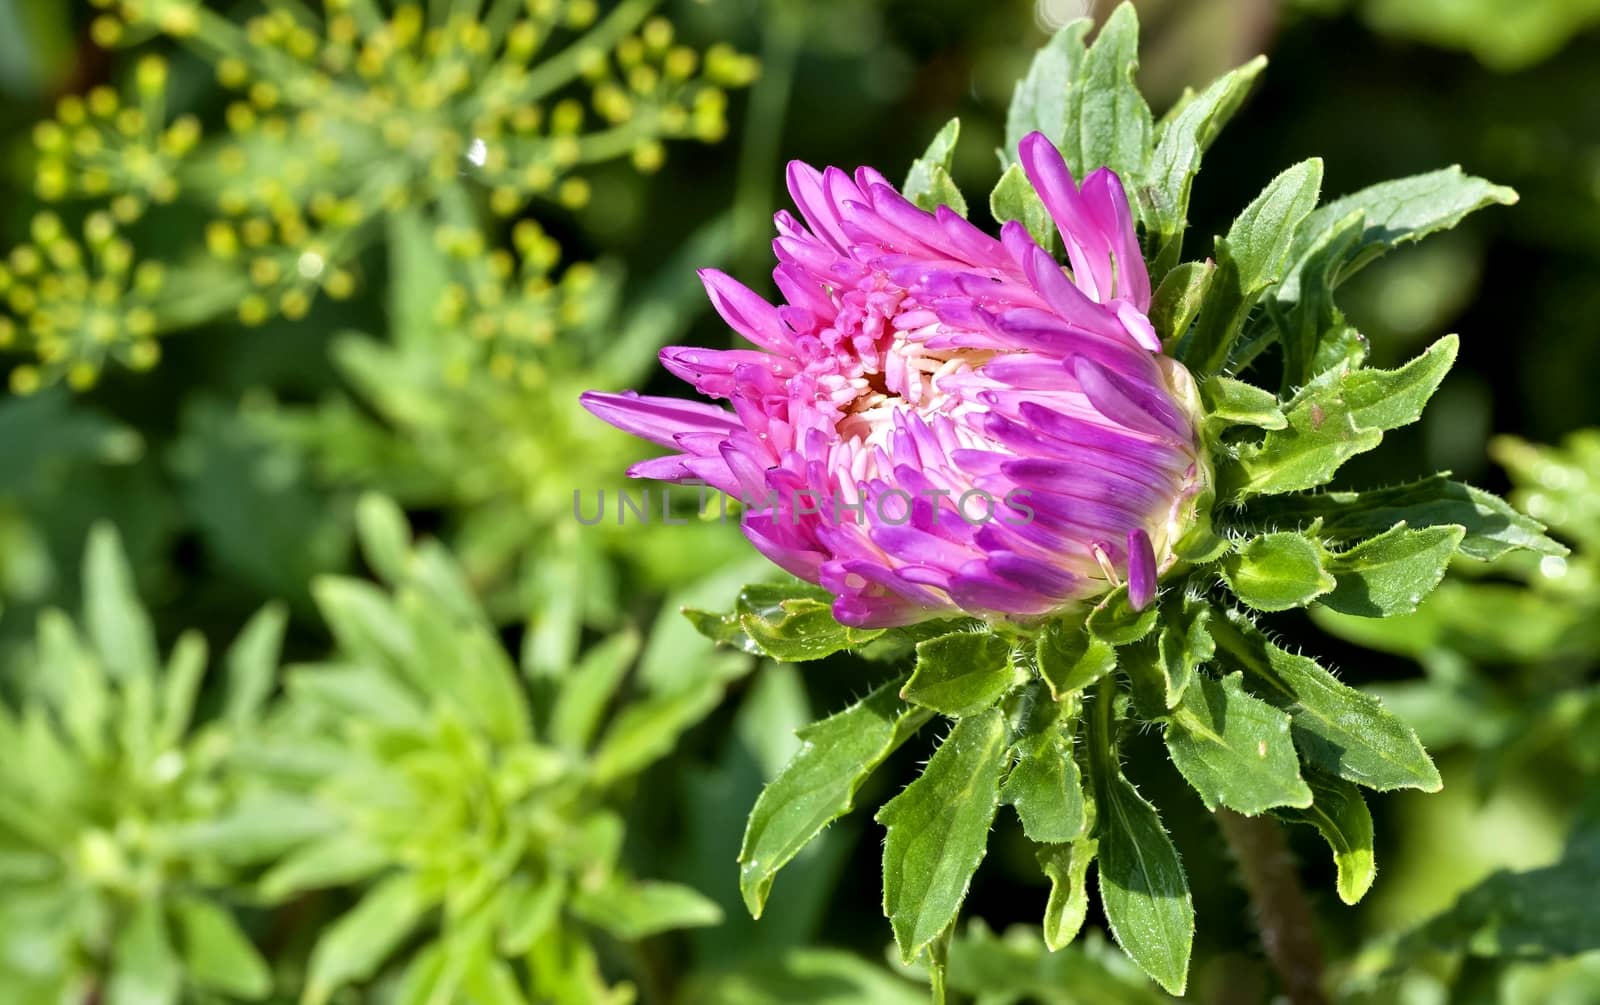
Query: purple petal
x,y
1141,569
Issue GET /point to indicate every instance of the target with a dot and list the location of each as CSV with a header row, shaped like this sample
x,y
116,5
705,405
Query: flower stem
x,y
1287,929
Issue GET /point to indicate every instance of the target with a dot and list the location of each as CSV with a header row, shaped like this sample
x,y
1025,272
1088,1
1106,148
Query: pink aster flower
x,y
937,421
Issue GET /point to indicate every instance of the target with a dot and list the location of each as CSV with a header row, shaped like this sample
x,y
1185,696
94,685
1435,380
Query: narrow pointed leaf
x,y
938,831
1142,884
1108,123
1340,814
819,784
1040,99
117,624
1067,867
1391,573
1337,729
1493,527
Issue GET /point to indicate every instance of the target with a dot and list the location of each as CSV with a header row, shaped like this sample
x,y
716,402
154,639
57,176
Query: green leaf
x,y
1115,621
1538,914
1302,308
938,830
1340,414
1339,812
1067,867
180,685
961,674
354,947
1177,300
1013,198
1070,659
1337,729
251,665
385,536
144,967
117,625
217,956
1044,785
581,701
1108,123
1164,198
343,857
1235,750
1251,258
1230,402
637,910
1142,884
1399,212
928,184
804,974
1391,573
1039,102
818,786
1493,528
1184,645
1276,572
646,731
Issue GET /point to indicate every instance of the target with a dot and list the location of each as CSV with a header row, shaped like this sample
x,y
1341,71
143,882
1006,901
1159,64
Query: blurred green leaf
x,y
356,945
218,956
636,910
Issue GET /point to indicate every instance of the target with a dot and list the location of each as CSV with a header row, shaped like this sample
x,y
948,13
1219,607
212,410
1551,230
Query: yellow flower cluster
x,y
344,116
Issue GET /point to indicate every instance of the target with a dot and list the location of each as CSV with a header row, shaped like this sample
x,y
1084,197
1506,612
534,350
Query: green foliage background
x,y
234,471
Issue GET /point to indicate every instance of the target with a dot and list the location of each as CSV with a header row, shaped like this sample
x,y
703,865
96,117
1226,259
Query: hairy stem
x,y
1282,913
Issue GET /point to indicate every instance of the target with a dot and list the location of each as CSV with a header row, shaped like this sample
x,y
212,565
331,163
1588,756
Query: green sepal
x,y
1070,659
1177,300
1014,198
1277,572
1115,621
961,673
790,623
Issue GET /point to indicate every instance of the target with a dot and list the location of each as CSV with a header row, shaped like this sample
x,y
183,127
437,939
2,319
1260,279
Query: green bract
x,y
1039,712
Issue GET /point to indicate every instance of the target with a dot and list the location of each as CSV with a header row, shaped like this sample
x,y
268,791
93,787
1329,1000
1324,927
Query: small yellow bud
x,y
25,379
574,193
